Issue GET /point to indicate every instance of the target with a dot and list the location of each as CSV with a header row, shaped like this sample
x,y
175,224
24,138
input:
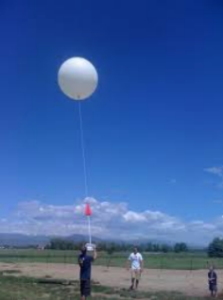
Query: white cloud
x,y
217,171
109,220
133,217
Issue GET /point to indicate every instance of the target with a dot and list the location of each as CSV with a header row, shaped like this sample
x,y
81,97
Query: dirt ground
x,y
188,282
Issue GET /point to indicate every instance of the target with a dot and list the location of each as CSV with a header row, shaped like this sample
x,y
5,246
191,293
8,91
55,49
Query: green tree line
x,y
214,249
111,247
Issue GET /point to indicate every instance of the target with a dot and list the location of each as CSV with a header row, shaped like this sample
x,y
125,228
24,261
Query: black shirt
x,y
212,277
85,266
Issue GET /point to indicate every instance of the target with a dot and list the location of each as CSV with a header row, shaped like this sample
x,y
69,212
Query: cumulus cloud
x,y
217,171
109,220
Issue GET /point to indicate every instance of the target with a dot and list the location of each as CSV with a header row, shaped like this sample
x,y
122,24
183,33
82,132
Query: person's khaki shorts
x,y
136,274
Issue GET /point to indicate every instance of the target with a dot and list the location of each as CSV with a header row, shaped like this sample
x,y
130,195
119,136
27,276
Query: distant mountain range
x,y
14,239
22,240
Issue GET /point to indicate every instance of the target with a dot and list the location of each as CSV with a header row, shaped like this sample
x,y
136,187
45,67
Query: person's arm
x,y
79,261
128,262
95,255
141,264
209,276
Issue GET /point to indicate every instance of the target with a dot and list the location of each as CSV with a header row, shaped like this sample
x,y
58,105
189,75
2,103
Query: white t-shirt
x,y
135,260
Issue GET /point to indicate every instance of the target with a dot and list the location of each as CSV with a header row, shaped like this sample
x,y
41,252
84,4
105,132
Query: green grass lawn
x,y
187,261
24,288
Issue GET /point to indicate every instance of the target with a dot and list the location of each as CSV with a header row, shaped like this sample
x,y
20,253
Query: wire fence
x,y
186,261
35,274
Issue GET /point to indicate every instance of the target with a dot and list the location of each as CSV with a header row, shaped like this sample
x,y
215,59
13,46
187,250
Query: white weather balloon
x,y
77,78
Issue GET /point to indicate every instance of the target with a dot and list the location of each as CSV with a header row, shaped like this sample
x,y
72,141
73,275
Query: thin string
x,y
84,165
89,228
83,151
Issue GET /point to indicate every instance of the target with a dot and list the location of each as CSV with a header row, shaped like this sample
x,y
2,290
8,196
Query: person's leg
x,y
82,289
86,289
211,289
137,283
132,283
215,291
132,280
137,278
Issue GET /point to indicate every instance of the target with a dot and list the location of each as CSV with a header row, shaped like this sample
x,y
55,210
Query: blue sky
x,y
153,129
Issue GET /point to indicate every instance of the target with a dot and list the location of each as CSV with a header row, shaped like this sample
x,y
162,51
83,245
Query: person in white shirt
x,y
136,261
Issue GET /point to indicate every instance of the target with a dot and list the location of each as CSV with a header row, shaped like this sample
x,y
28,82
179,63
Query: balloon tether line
x,y
83,152
84,166
89,228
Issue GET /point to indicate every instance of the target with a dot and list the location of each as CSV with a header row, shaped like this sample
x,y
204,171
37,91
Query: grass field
x,y
17,286
187,261
24,288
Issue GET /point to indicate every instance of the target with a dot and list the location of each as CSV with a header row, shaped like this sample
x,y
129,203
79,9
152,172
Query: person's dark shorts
x,y
213,287
85,288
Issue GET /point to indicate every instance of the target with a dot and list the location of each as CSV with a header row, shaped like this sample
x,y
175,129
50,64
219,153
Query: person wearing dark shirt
x,y
85,261
212,280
